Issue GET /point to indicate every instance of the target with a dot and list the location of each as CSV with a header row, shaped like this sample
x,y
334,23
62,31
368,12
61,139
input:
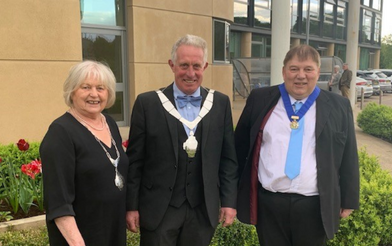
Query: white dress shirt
x,y
273,153
189,112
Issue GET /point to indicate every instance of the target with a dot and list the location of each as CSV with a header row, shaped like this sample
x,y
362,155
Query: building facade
x,y
322,22
42,39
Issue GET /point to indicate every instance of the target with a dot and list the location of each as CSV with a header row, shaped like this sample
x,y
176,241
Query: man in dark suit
x,y
296,190
345,81
183,167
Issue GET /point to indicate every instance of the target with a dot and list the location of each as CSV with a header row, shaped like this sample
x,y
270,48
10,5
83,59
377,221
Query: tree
x,y
386,52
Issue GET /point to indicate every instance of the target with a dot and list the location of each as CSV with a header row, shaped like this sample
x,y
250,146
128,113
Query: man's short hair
x,y
302,52
191,40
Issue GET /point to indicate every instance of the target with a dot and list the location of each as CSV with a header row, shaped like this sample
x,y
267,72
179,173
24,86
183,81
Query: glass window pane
x,y
366,3
241,13
341,16
117,110
262,17
262,3
328,13
339,32
105,48
377,4
366,27
102,12
235,45
294,16
219,41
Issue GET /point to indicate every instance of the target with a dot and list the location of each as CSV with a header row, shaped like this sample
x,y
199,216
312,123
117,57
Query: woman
x,y
84,165
334,81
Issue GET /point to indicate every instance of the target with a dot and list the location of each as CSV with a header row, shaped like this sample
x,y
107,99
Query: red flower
x,y
125,144
32,169
1,160
22,145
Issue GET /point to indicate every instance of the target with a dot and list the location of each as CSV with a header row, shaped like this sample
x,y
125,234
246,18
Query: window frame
x,y
226,42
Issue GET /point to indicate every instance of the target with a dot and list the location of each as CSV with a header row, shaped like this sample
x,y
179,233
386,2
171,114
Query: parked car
x,y
387,72
364,84
369,77
383,80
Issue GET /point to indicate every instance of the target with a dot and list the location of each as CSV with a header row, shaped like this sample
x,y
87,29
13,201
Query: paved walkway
x,y
374,146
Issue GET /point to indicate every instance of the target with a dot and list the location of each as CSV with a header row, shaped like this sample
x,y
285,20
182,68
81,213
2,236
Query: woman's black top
x,y
79,181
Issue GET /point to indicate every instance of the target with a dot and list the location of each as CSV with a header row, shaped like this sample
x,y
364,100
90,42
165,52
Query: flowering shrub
x,y
125,144
33,169
22,145
17,189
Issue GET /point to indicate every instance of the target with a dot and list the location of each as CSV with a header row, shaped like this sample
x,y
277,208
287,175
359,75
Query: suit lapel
x,y
323,110
266,104
171,121
205,121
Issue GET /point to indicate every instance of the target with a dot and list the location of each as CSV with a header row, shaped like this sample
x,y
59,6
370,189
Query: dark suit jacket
x,y
153,155
336,153
346,78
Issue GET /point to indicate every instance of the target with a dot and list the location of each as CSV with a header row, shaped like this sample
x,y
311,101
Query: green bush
x,y
369,226
235,235
39,237
36,237
376,120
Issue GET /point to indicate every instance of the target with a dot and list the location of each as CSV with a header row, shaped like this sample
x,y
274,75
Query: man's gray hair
x,y
191,40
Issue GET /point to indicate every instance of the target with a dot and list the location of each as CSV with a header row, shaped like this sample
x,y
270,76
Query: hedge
x,y
376,120
369,226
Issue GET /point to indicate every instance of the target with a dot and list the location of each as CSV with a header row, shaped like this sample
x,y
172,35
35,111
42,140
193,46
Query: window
x,y
261,46
366,26
102,12
241,12
221,41
328,20
314,17
104,39
294,16
366,3
107,47
235,45
377,29
262,13
340,51
340,20
377,4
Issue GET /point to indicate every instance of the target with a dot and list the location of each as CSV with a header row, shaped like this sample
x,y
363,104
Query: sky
x,y
386,26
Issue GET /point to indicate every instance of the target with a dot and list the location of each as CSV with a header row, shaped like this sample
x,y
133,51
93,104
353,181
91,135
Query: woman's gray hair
x,y
81,71
337,66
191,40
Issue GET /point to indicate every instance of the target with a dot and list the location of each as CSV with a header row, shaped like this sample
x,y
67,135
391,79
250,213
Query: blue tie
x,y
293,161
183,100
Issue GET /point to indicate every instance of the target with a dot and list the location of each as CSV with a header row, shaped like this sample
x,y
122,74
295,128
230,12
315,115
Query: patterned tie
x,y
293,161
183,100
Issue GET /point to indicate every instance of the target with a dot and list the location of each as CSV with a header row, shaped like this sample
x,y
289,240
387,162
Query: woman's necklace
x,y
118,178
86,123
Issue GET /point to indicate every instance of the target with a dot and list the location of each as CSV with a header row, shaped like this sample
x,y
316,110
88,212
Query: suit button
x,y
170,188
188,184
189,173
175,166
